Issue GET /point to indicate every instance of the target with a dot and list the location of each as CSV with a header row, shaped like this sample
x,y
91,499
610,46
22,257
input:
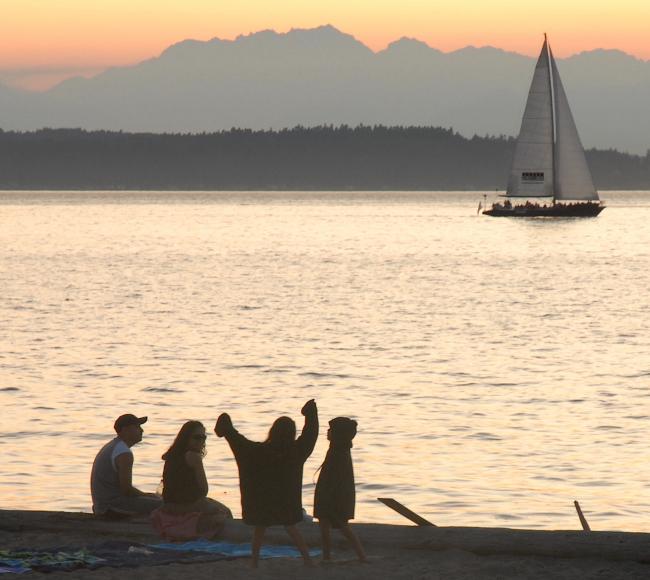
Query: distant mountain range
x,y
323,76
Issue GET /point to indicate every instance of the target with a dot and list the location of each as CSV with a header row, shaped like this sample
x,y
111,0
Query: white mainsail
x,y
549,159
531,174
572,176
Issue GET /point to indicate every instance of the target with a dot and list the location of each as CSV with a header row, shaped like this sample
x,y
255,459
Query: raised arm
x,y
309,435
238,443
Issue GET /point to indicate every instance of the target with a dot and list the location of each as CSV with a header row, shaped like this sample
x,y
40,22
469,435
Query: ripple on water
x,y
243,367
597,483
449,504
375,486
484,436
508,517
506,384
320,375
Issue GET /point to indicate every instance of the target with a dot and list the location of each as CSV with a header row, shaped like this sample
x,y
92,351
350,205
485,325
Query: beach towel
x,y
20,561
121,554
234,550
13,567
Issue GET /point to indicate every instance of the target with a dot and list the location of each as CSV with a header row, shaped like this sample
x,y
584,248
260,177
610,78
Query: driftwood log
x,y
21,526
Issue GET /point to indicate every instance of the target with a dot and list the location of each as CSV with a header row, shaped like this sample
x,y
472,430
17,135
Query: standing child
x,y
335,496
270,475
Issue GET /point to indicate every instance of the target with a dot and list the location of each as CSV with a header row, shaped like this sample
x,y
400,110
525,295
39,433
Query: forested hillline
x,y
317,158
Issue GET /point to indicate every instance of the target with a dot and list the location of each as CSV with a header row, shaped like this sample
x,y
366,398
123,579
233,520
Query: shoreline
x,y
395,551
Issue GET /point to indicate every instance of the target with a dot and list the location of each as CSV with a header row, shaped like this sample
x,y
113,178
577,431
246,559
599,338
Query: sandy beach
x,y
395,551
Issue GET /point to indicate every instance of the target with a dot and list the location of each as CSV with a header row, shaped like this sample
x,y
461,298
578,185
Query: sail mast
x,y
552,96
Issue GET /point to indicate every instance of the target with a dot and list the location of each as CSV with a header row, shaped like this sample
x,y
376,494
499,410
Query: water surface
x,y
498,368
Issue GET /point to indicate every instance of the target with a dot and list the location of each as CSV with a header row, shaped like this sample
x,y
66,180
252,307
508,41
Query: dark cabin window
x,y
532,176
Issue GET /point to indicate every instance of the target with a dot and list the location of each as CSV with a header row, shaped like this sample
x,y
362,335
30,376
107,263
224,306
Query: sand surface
x,y
395,551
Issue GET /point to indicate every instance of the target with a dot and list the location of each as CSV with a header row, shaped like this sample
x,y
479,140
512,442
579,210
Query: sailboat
x,y
549,161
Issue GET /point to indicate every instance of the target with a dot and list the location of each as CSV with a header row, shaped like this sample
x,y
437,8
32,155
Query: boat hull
x,y
557,210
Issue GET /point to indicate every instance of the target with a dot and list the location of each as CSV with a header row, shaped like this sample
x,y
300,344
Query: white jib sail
x,y
531,174
572,176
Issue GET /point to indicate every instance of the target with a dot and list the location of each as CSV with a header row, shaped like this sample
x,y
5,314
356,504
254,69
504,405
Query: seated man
x,y
111,477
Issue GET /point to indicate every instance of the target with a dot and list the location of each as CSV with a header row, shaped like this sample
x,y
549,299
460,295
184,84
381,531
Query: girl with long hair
x,y
185,488
270,475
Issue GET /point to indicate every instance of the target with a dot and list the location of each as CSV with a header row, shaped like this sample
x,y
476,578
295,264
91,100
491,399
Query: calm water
x,y
499,369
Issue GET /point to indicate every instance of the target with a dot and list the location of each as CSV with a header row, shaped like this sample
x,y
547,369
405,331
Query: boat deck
x,y
557,210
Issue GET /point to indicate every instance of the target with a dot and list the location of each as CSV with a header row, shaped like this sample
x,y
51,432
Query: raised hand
x,y
309,408
223,424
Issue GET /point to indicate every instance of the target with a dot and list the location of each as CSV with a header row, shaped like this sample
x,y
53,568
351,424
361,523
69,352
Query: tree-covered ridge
x,y
316,158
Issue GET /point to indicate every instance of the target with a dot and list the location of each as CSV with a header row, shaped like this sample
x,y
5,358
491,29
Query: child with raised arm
x,y
334,497
270,475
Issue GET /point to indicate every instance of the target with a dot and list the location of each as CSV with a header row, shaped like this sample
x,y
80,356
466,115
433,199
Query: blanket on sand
x,y
235,550
20,561
120,554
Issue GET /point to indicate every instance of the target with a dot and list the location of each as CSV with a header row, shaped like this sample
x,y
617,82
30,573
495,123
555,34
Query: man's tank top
x,y
104,479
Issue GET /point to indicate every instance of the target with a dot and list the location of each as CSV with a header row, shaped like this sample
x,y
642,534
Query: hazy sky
x,y
42,41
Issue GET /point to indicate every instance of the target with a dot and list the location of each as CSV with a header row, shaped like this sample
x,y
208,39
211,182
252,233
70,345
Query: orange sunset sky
x,y
44,41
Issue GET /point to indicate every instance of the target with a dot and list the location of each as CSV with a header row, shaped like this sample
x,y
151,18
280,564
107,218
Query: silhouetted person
x,y
111,479
270,475
334,497
185,489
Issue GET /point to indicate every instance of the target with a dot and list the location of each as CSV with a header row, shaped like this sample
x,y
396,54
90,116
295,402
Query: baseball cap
x,y
126,420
